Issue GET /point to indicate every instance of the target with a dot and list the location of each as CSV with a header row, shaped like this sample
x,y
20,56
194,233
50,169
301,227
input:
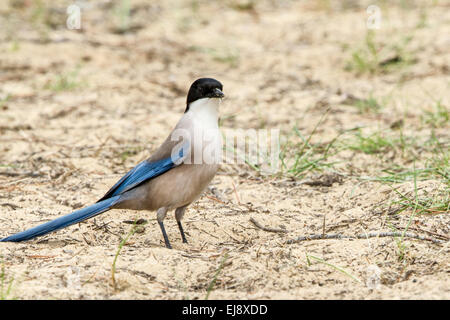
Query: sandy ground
x,y
78,109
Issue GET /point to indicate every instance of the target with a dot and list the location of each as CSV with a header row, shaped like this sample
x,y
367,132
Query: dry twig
x,y
268,229
363,236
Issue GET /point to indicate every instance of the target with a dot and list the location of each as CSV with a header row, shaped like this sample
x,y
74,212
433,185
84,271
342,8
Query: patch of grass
x,y
128,153
15,46
366,59
300,156
248,5
7,165
436,167
414,205
44,17
371,144
214,279
439,117
423,20
369,105
125,154
437,204
133,230
439,162
4,101
432,154
307,158
65,82
427,205
122,11
398,174
374,58
342,270
38,12
384,141
401,246
6,283
423,205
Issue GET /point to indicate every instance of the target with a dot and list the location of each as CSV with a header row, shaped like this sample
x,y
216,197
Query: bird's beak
x,y
218,93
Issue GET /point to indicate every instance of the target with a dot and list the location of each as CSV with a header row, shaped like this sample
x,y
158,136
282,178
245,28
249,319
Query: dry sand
x,y
78,109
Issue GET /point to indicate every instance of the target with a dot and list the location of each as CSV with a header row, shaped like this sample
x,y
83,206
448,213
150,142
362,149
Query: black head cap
x,y
204,88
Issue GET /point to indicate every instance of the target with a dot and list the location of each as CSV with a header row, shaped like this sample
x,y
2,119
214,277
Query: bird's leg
x,y
179,213
161,214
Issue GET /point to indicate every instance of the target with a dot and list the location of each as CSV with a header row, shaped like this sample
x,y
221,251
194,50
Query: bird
x,y
172,178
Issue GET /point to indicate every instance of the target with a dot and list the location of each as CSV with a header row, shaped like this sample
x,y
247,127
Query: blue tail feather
x,y
64,221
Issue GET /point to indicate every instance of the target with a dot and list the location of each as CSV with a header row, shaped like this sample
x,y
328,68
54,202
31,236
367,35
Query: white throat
x,y
200,126
205,112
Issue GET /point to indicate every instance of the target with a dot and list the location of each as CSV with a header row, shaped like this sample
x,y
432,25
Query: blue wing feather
x,y
143,172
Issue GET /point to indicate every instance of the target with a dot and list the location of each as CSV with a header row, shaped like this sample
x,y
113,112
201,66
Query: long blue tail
x,y
64,221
